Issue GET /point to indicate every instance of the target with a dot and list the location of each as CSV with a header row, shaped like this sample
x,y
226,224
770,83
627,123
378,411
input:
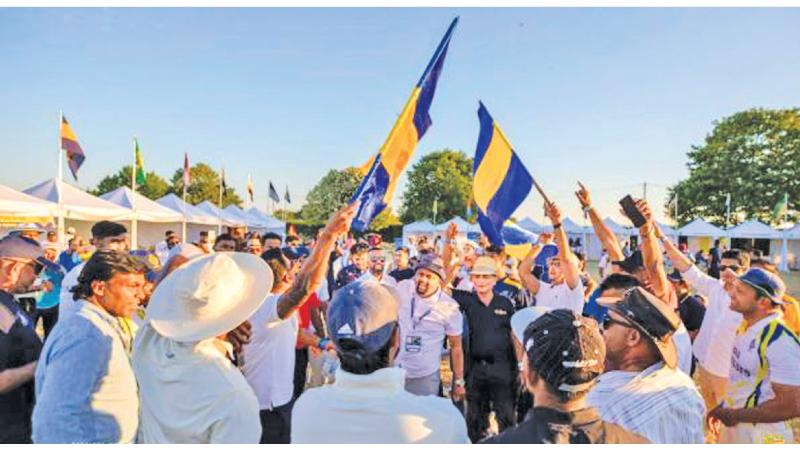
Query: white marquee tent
x,y
77,204
753,229
243,217
16,204
227,219
531,225
152,219
463,226
271,224
197,220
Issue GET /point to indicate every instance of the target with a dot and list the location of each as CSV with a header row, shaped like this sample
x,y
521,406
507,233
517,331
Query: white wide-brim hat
x,y
209,296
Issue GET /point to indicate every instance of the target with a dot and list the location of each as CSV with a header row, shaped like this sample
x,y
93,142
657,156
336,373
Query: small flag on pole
x,y
69,143
376,189
286,196
273,193
187,173
435,208
140,177
500,180
781,207
224,184
250,191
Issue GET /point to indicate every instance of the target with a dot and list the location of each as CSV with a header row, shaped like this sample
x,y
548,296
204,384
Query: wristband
x,y
323,343
520,365
459,382
587,209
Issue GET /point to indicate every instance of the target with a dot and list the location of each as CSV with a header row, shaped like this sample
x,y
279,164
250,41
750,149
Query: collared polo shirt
x,y
560,296
374,409
424,323
489,326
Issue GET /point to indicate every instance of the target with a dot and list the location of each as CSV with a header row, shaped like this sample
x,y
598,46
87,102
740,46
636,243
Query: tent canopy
x,y
463,226
570,227
530,225
17,204
270,222
753,229
243,217
422,226
146,209
793,232
193,214
700,228
617,228
77,204
228,219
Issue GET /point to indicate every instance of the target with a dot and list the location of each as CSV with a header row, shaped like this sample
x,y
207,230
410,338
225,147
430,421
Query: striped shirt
x,y
659,403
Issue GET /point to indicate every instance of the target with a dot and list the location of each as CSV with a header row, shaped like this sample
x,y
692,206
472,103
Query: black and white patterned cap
x,y
566,350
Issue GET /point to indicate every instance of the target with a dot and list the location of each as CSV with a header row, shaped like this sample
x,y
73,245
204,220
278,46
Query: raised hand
x,y
583,195
452,231
340,222
553,213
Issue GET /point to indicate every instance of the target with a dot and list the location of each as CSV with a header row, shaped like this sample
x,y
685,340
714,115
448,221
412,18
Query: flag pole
x,y
219,204
183,205
134,218
59,180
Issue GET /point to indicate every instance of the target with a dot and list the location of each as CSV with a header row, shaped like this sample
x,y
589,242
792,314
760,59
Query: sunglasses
x,y
733,267
377,259
609,321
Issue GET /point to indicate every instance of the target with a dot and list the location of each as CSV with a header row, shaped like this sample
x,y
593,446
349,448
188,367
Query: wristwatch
x,y
459,382
556,226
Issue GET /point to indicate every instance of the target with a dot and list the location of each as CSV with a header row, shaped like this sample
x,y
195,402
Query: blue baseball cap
x,y
766,284
20,247
363,312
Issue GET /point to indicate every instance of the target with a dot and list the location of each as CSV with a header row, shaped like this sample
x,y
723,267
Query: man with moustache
x,y
427,316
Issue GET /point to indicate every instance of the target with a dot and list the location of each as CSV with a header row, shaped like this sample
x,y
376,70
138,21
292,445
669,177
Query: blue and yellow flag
x,y
377,187
500,181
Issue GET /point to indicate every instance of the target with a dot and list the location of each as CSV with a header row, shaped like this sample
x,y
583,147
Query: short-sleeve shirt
x,y
269,358
19,347
489,326
560,296
424,323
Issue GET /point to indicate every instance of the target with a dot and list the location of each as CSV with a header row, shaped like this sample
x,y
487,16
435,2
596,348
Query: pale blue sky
x,y
611,96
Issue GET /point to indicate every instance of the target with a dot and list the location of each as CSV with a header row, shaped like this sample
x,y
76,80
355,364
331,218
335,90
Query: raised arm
x,y
607,239
569,262
678,259
530,282
313,272
448,251
651,254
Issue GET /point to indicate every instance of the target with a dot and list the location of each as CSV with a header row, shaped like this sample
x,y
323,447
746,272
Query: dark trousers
x,y
490,387
49,318
276,424
300,370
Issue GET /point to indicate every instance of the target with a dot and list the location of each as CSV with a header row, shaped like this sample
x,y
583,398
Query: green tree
x,y
754,156
329,194
204,185
384,220
444,176
154,186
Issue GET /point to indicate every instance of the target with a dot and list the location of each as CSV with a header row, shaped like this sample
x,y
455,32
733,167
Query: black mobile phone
x,y
633,213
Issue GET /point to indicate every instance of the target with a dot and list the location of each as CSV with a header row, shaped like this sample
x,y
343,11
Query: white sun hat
x,y
209,296
524,317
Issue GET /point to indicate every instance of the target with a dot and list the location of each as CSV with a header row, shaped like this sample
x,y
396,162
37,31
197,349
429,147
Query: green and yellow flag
x,y
781,207
139,164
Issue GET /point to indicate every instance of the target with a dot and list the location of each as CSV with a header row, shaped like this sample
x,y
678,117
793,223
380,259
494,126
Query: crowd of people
x,y
258,339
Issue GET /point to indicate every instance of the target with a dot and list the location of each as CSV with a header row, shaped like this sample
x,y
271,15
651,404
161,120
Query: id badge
x,y
413,344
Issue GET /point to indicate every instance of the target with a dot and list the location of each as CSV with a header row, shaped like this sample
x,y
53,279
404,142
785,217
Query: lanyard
x,y
414,323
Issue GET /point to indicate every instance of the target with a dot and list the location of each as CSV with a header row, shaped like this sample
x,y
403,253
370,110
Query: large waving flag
x,y
377,187
69,143
500,181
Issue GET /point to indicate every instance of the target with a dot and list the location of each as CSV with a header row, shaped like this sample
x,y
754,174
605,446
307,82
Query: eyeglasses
x,y
377,259
608,321
733,267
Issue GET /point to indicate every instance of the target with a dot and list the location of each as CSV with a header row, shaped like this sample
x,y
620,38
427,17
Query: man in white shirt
x,y
105,236
427,316
181,351
565,289
368,403
641,389
376,270
764,384
269,358
713,345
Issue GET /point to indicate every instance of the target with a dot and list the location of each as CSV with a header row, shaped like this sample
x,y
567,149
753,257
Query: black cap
x,y
566,350
632,263
648,314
